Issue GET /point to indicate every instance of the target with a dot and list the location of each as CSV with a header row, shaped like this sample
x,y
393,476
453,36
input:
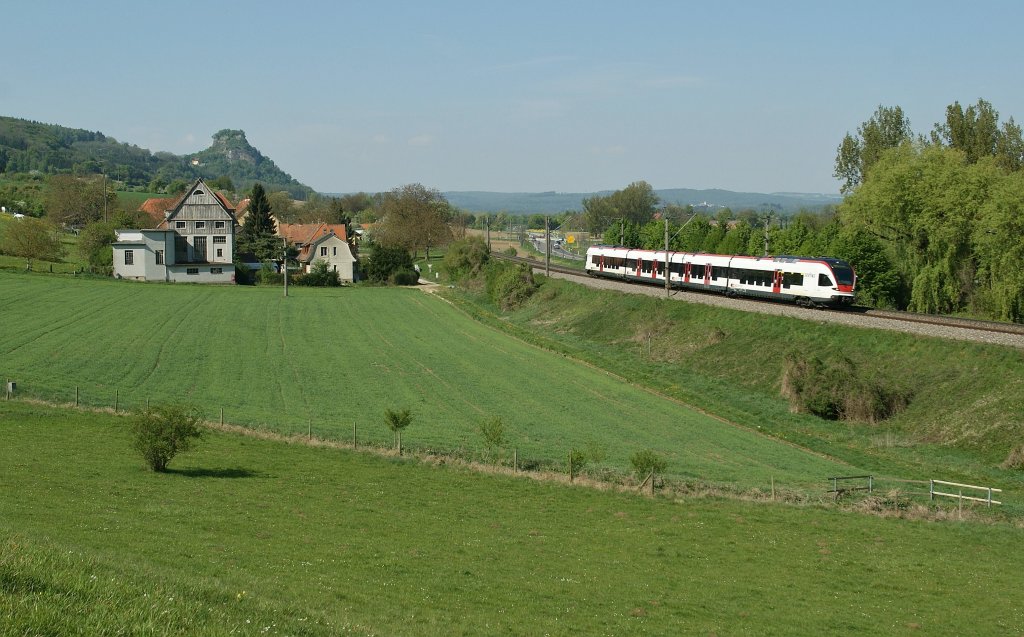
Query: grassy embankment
x,y
963,419
324,360
259,537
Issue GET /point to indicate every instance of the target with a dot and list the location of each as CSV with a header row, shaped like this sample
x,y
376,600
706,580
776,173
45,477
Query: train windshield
x,y
843,272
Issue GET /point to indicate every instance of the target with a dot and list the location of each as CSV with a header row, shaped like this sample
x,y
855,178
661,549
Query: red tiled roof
x,y
155,207
306,233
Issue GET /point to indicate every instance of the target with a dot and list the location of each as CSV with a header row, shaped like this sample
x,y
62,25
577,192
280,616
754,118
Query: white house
x,y
194,242
321,242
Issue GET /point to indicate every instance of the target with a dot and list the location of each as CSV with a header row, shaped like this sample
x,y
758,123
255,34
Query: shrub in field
x,y
493,433
577,461
647,461
466,258
162,432
838,390
396,421
510,285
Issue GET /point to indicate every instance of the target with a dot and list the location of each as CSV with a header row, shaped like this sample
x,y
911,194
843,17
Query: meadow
x,y
325,361
248,536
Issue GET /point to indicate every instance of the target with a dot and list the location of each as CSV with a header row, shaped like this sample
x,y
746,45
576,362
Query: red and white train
x,y
807,281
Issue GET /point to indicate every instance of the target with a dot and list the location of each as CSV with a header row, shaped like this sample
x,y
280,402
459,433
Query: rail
x,y
960,494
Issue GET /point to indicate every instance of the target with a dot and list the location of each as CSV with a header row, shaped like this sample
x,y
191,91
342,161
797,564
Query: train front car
x,y
844,281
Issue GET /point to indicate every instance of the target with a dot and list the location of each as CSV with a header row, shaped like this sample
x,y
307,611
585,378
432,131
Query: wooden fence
x,y
988,491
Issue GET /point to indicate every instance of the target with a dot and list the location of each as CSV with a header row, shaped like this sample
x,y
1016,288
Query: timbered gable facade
x,y
193,243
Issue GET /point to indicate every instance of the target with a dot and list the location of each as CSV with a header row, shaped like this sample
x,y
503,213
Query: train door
x,y
600,264
777,282
707,274
654,269
686,273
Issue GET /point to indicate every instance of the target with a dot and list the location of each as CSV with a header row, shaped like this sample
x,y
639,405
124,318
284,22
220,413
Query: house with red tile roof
x,y
321,242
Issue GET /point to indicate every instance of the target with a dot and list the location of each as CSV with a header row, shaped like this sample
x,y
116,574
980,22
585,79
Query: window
x,y
180,249
129,257
335,250
220,253
219,225
323,251
159,257
179,225
192,271
197,192
219,239
200,225
199,248
216,270
824,281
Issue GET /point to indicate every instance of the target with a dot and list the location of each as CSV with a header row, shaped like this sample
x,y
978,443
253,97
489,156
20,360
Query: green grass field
x,y
247,536
327,359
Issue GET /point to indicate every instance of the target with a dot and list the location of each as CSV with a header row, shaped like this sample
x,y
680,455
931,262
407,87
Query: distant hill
x,y
711,200
27,146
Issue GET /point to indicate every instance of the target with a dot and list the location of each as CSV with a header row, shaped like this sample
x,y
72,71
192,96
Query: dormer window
x,y
198,192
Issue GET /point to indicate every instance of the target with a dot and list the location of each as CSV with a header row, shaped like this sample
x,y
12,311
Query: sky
x,y
521,96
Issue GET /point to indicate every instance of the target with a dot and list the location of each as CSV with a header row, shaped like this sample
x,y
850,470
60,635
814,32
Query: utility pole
x,y
666,259
104,197
284,264
547,247
622,231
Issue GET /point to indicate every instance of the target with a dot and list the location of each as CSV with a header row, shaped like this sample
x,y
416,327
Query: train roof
x,y
780,258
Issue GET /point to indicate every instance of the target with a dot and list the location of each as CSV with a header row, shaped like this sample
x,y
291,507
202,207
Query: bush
x,y
510,285
838,390
577,461
647,461
385,261
268,275
163,432
466,258
404,276
1015,460
493,433
320,275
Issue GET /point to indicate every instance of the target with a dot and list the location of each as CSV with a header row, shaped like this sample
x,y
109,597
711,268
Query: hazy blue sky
x,y
511,96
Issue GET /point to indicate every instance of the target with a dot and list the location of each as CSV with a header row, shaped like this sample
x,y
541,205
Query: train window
x,y
824,281
645,266
595,259
844,274
697,270
631,264
792,278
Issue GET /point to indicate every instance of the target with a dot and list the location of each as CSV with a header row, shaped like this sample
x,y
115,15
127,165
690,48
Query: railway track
x,y
1014,332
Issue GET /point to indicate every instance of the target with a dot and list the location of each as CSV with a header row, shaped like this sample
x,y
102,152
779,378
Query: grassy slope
x,y
326,359
326,542
962,422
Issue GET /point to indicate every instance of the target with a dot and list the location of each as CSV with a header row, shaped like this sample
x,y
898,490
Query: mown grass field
x,y
249,536
963,419
324,360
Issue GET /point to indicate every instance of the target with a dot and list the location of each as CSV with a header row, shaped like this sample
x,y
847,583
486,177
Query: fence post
x,y
570,466
355,439
309,429
931,490
115,401
515,460
773,488
76,395
652,484
221,416
871,483
990,496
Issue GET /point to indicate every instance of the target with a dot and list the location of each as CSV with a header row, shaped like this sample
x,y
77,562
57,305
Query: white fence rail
x,y
988,491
